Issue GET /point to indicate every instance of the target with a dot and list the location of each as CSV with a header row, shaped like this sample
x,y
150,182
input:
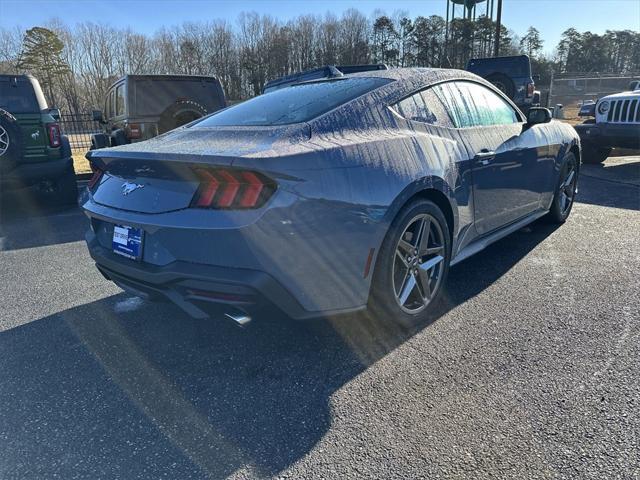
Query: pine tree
x,y
531,43
42,55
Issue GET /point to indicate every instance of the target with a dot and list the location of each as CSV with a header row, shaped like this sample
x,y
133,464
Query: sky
x,y
550,17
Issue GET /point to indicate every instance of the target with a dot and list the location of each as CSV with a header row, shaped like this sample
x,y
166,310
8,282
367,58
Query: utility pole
x,y
496,51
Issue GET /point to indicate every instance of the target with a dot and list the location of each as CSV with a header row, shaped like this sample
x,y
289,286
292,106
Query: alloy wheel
x,y
4,141
418,263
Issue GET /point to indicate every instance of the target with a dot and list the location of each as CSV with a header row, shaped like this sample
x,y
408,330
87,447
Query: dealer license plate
x,y
127,241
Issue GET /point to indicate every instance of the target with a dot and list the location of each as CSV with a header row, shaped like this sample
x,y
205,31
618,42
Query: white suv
x,y
616,124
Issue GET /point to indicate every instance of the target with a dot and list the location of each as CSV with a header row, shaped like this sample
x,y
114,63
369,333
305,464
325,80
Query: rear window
x,y
153,96
294,104
18,97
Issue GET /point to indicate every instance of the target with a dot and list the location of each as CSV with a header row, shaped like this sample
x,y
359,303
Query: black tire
x,y
180,113
384,302
559,211
10,142
118,137
99,140
503,83
66,189
592,154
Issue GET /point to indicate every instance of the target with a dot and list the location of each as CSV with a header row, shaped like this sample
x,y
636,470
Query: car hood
x,y
219,145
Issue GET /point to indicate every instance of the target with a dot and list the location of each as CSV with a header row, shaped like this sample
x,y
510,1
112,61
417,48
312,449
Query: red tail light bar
x,y
133,131
530,89
55,138
232,189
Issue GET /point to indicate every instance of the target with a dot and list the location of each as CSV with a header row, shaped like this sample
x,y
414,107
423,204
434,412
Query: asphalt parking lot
x,y
530,370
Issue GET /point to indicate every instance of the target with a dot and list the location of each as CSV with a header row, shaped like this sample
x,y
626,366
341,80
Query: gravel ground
x,y
530,369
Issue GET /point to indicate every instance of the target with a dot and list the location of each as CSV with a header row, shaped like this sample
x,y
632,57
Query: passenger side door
x,y
507,179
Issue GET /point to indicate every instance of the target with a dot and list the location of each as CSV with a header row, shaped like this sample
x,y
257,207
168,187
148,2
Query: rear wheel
x,y
412,265
565,191
67,188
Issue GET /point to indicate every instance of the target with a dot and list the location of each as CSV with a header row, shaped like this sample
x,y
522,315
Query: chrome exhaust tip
x,y
240,318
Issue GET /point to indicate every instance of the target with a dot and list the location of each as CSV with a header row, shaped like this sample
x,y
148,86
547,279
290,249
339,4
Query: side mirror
x,y
537,115
96,116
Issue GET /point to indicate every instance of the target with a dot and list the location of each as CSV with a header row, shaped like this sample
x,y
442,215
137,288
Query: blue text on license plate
x,y
127,241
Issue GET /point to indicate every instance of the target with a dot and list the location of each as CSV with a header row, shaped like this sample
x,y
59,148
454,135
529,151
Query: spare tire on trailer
x,y
180,113
503,83
10,142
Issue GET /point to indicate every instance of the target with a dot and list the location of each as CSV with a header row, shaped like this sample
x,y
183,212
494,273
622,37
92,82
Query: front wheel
x,y
412,265
593,154
565,191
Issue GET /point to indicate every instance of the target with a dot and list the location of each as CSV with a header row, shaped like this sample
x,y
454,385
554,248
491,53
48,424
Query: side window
x,y
489,108
108,107
119,110
424,107
471,104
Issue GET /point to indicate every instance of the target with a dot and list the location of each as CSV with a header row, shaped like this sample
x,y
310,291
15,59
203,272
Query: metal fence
x,y
572,90
79,127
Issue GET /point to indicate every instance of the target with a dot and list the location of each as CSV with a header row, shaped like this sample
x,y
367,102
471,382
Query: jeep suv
x,y
616,123
139,107
33,150
512,75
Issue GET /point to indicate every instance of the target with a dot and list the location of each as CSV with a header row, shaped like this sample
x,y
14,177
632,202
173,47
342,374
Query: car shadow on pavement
x,y
123,388
615,184
26,222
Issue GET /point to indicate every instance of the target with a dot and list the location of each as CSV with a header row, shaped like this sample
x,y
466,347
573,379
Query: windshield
x,y
18,97
298,103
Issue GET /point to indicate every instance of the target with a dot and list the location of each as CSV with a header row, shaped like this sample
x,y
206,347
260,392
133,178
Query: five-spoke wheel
x,y
418,263
412,264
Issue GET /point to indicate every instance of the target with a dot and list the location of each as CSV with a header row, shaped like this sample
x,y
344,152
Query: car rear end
x,y
180,230
517,69
45,153
149,96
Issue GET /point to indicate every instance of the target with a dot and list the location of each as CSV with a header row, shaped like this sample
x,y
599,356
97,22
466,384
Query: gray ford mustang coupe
x,y
328,196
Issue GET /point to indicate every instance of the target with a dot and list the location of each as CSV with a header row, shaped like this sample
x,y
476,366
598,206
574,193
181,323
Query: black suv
x,y
33,150
512,75
139,107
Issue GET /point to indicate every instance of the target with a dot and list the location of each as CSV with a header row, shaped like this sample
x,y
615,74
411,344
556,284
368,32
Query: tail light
x,y
55,138
95,178
530,89
232,189
134,131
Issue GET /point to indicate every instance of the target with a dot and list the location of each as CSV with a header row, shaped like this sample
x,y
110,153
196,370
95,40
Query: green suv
x,y
33,151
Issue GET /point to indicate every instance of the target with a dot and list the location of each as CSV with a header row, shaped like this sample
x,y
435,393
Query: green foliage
x,y
531,43
614,52
42,56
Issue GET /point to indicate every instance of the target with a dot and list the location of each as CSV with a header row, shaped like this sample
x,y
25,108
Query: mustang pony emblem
x,y
128,187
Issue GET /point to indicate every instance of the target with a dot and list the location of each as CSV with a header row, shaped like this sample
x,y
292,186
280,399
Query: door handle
x,y
484,156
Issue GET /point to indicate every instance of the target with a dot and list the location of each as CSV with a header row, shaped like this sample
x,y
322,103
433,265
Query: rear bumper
x,y
193,286
27,174
610,135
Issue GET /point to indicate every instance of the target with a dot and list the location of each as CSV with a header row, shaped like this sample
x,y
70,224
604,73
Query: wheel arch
x,y
575,149
434,189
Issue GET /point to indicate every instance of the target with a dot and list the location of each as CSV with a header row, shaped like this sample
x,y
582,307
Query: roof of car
x,y
420,75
